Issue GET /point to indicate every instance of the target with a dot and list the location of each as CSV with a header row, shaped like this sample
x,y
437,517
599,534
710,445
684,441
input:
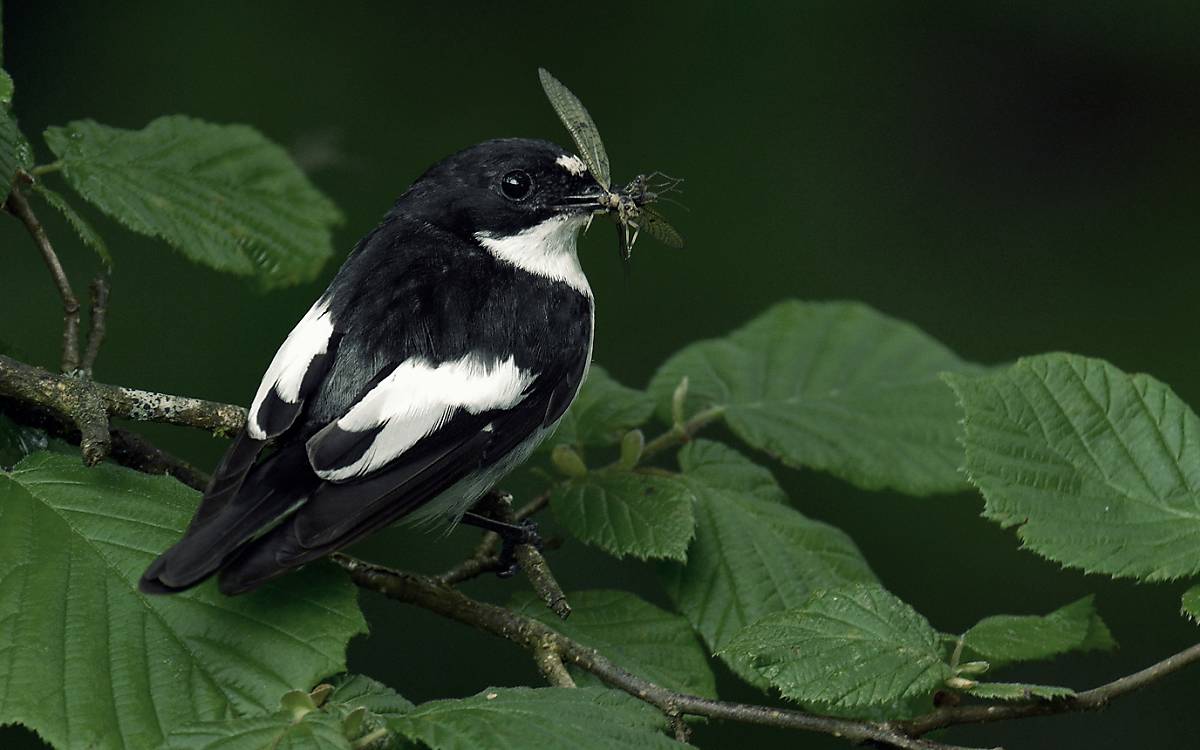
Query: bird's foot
x,y
523,532
511,535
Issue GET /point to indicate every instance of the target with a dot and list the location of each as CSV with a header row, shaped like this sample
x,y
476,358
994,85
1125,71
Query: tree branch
x,y
1089,700
429,593
98,324
498,505
534,565
88,405
136,452
18,206
550,664
486,557
128,449
682,433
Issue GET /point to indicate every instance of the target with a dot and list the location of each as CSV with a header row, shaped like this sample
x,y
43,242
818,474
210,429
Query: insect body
x,y
629,206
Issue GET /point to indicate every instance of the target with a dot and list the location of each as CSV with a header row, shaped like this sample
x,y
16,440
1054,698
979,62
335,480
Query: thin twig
x,y
683,433
1089,700
486,557
19,207
429,593
678,725
542,580
98,324
474,566
534,566
42,169
533,507
133,451
550,664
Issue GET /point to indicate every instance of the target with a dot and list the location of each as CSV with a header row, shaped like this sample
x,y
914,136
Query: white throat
x,y
547,249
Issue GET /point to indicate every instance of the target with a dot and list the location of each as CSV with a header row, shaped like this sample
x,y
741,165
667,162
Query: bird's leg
x,y
511,534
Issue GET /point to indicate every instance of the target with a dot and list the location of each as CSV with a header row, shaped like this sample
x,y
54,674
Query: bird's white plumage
x,y
572,164
309,339
417,397
546,249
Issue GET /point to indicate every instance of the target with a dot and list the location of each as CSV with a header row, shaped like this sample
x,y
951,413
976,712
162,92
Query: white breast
x,y
547,249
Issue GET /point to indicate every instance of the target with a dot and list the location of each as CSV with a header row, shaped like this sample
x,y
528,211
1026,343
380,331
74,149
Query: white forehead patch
x,y
572,164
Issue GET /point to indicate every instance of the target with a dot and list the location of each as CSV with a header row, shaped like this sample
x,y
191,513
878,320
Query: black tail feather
x,y
358,508
243,500
227,478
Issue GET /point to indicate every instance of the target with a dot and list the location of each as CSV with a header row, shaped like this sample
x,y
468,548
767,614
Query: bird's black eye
x,y
516,185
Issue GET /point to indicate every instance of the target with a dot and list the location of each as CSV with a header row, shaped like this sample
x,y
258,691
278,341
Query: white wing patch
x,y
417,398
572,164
309,339
547,249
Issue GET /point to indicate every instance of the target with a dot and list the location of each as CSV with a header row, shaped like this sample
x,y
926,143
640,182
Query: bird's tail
x,y
244,500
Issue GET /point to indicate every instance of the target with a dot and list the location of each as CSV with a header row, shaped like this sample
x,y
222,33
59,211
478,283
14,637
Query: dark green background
x,y
1013,177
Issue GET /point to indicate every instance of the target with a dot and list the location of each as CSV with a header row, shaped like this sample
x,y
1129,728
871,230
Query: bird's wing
x,y
297,369
295,373
415,434
409,403
228,515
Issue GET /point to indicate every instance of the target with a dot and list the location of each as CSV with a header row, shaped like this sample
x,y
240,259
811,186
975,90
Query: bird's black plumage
x,y
454,336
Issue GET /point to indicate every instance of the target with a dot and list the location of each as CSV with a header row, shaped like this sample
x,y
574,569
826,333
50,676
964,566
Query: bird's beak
x,y
592,202
585,195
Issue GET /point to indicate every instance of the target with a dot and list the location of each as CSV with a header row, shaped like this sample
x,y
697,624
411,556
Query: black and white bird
x,y
448,345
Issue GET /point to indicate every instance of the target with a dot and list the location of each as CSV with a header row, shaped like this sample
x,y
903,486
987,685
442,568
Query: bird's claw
x,y
523,532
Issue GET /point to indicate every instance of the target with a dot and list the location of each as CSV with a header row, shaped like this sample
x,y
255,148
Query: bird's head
x,y
505,187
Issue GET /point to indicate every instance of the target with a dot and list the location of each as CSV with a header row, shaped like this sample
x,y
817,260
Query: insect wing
x,y
579,123
660,229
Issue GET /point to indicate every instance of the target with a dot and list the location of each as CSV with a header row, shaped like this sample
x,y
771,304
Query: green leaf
x,y
583,718
103,666
1191,604
1017,691
567,461
223,195
1002,639
300,702
6,89
357,690
753,554
642,638
317,730
603,412
1097,469
366,706
852,647
637,514
82,227
15,151
831,386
